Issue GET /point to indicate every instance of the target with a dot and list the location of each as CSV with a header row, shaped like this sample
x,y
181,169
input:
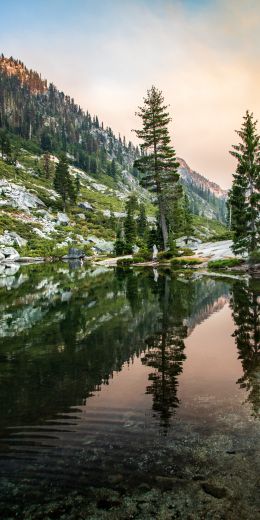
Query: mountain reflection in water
x,y
93,358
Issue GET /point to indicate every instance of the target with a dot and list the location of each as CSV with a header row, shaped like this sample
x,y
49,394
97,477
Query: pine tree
x,y
63,183
187,217
119,245
5,145
113,168
47,165
129,224
141,221
174,209
77,184
244,196
157,163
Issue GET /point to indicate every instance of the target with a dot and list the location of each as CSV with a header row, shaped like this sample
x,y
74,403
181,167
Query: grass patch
x,y
9,223
226,262
186,261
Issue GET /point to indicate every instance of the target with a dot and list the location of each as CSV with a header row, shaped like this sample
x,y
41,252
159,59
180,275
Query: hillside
x,y
206,197
40,119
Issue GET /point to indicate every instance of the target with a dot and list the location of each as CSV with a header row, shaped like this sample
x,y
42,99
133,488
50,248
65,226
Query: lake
x,y
128,393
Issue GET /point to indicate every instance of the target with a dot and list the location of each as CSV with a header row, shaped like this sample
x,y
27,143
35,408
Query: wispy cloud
x,y
203,55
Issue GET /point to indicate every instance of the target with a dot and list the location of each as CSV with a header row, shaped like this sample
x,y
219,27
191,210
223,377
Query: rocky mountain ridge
x,y
42,120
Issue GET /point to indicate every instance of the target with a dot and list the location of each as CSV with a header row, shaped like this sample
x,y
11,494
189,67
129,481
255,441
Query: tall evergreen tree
x,y
129,224
244,196
157,163
47,165
141,221
119,245
62,181
5,145
187,217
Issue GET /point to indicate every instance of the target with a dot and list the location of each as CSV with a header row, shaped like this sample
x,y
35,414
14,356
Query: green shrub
x,y
124,262
187,252
225,262
38,247
10,223
144,254
165,255
50,248
182,262
139,259
225,235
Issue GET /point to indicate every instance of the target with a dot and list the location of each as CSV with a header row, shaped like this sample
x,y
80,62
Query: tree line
x,y
158,167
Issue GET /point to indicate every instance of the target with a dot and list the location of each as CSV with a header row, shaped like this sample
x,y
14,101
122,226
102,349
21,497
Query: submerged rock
x,y
213,490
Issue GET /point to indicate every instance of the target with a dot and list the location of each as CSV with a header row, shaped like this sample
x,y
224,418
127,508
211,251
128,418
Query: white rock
x,y
10,254
100,245
17,196
188,242
63,219
215,250
10,238
85,205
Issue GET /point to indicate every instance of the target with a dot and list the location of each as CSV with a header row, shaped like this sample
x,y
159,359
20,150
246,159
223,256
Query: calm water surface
x,y
128,394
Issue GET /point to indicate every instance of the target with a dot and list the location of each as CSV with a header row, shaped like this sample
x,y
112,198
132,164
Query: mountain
x,y
39,118
207,198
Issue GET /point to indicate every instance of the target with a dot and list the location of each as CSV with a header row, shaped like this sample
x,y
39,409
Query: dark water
x,y
128,394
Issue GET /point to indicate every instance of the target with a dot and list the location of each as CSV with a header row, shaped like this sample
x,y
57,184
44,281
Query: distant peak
x,y
192,176
30,78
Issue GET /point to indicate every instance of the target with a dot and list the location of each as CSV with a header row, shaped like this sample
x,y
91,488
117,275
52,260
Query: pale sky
x,y
203,55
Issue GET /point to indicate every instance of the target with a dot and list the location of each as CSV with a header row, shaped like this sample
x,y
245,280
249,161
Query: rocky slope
x,y
40,118
207,198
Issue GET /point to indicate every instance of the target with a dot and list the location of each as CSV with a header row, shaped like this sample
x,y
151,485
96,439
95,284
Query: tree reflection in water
x,y
166,349
245,304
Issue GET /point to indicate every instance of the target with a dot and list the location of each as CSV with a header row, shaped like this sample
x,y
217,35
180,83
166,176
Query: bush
x,y
226,262
139,259
124,262
225,235
38,247
165,255
50,248
187,252
143,253
183,262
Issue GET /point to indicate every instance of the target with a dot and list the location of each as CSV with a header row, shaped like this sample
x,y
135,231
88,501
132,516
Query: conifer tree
x,y
113,168
5,146
141,221
187,217
77,184
157,162
119,245
244,196
63,183
47,166
129,224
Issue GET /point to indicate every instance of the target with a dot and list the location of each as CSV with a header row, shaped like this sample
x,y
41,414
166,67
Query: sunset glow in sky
x,y
203,55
